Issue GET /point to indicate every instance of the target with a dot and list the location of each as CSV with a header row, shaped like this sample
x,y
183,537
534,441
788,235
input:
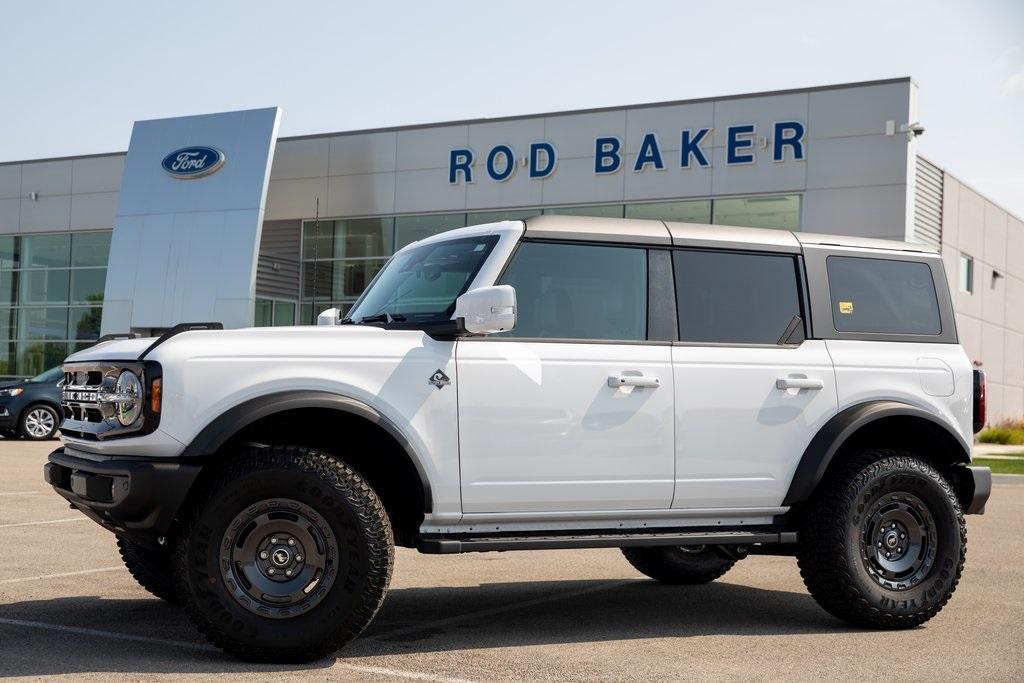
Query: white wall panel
x,y
994,232
763,112
874,211
429,147
667,123
844,112
48,213
46,177
93,211
856,162
428,190
363,153
574,134
359,195
297,197
300,159
10,181
97,174
10,215
576,183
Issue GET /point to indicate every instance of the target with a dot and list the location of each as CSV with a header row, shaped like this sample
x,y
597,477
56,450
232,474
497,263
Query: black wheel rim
x,y
899,541
279,558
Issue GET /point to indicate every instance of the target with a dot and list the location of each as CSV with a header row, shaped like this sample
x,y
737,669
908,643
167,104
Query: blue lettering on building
x,y
740,150
545,151
606,155
788,134
460,160
787,144
689,147
649,153
507,166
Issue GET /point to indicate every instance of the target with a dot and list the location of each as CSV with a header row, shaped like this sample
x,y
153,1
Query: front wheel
x,y
39,422
883,542
286,557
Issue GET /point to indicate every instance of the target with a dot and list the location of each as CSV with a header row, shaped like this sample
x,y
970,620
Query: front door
x,y
572,410
751,392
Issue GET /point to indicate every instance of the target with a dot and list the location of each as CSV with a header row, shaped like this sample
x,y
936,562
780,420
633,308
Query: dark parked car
x,y
31,408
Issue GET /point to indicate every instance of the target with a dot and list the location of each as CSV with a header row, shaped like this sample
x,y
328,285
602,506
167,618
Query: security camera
x,y
912,129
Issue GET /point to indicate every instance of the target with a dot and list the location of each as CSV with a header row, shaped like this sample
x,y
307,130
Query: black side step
x,y
479,544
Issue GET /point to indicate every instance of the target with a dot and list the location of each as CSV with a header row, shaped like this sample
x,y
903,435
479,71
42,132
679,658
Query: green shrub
x,y
1006,432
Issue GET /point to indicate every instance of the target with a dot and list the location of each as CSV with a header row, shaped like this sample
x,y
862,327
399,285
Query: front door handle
x,y
634,381
798,383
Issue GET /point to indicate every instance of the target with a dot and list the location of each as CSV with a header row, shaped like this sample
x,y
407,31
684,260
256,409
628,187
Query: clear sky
x,y
77,74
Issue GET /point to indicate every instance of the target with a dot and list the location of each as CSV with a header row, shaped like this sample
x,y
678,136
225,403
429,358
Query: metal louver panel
x,y
928,203
277,268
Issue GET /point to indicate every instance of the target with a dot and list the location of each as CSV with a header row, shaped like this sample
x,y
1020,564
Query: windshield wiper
x,y
378,318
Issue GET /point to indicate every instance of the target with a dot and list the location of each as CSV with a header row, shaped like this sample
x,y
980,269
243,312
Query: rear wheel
x,y
883,541
286,557
39,422
151,568
681,565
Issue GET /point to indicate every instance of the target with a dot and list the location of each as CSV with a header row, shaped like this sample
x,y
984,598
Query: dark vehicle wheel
x,y
681,565
286,556
151,568
39,422
883,542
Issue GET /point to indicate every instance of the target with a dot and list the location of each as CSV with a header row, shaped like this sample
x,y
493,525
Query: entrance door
x,y
750,391
572,410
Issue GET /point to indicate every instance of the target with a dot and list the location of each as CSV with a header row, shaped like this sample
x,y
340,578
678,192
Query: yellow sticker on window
x,y
846,307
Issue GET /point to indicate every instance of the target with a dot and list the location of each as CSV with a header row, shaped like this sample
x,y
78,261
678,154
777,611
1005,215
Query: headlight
x,y
13,391
129,398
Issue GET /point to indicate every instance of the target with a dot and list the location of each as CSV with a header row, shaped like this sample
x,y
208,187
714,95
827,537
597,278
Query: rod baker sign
x,y
786,142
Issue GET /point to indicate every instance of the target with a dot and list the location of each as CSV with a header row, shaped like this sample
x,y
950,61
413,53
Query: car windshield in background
x,y
422,283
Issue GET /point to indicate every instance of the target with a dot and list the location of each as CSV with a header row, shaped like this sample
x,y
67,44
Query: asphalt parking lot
x,y
67,607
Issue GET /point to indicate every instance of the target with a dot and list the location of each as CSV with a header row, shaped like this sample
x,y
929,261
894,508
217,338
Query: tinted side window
x,y
882,295
572,291
735,298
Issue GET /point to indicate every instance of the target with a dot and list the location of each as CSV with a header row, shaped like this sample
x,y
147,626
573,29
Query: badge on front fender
x,y
439,379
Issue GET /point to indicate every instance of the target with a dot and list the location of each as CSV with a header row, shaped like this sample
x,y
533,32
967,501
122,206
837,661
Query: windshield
x,y
422,283
51,375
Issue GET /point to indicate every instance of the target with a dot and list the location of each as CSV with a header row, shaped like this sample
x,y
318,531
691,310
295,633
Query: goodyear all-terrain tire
x,y
151,569
285,557
883,541
678,564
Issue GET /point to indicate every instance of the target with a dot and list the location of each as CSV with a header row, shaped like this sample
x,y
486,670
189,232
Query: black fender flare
x,y
219,430
830,438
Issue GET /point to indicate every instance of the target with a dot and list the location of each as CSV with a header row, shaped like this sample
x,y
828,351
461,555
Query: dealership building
x,y
215,218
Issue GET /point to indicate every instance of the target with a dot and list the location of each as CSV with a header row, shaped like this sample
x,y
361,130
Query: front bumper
x,y
136,498
977,485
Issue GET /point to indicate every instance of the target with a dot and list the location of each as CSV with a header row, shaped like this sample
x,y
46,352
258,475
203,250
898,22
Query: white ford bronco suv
x,y
691,394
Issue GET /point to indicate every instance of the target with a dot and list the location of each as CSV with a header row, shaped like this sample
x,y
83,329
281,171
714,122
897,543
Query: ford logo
x,y
193,162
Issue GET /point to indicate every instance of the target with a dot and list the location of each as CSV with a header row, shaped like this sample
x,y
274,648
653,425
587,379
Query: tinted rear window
x,y
883,296
735,297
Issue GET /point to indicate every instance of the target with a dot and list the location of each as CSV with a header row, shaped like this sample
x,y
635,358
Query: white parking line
x,y
66,520
23,493
111,635
62,574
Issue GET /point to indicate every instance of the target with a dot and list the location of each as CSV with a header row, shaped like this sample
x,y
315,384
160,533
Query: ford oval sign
x,y
193,162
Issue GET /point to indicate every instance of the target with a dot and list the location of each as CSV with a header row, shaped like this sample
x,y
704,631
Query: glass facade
x,y
51,297
341,257
273,312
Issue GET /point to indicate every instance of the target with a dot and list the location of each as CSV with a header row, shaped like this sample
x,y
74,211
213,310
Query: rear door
x,y
751,391
572,410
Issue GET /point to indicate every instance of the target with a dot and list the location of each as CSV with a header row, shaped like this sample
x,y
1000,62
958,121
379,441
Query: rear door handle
x,y
798,383
634,381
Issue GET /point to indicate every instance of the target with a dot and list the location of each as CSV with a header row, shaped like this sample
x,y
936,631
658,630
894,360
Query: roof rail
x,y
117,335
178,329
